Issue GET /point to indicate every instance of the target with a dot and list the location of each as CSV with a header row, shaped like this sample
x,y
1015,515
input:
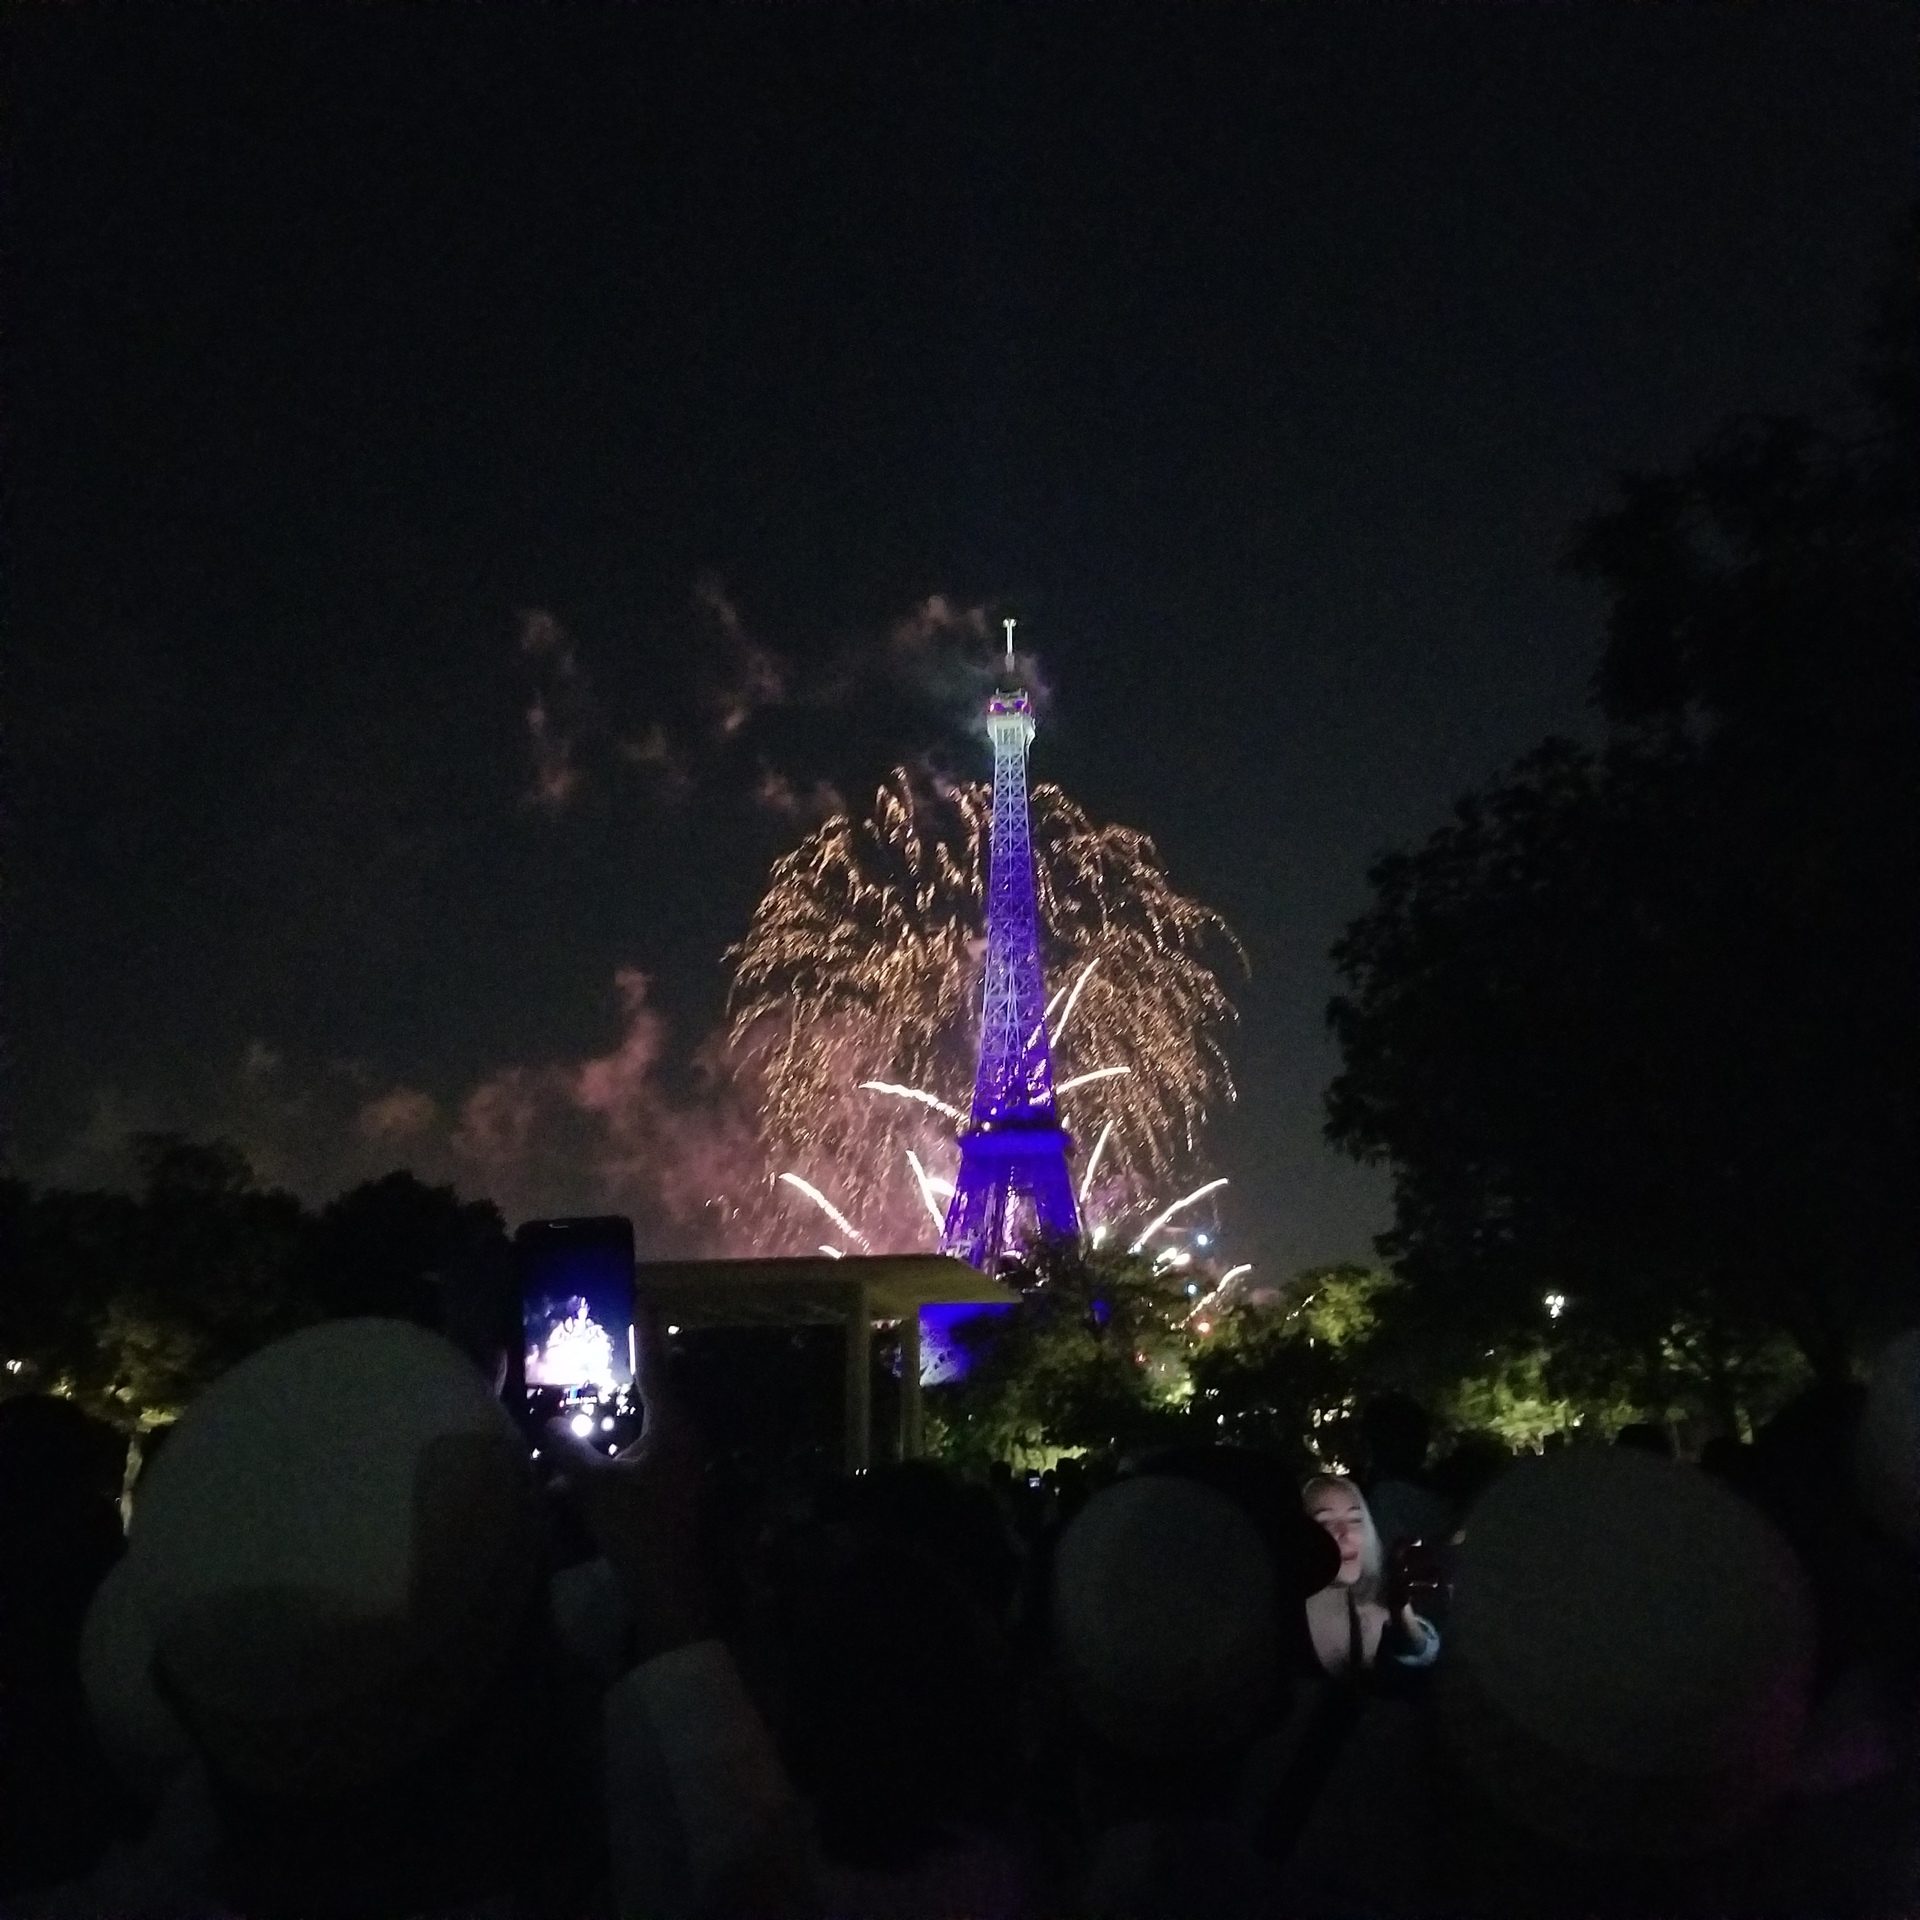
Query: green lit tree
x,y
1092,1358
1286,1376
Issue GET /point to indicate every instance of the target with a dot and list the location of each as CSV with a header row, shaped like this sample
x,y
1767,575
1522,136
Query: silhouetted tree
x,y
65,1254
133,1302
1636,1025
396,1245
216,1267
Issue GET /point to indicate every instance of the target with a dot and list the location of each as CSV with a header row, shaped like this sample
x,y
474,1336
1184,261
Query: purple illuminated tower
x,y
1013,1186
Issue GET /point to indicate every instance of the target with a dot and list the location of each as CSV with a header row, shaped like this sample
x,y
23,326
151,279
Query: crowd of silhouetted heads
x,y
344,1645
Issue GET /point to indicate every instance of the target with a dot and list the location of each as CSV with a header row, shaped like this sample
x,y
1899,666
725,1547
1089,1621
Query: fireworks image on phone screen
x,y
578,1319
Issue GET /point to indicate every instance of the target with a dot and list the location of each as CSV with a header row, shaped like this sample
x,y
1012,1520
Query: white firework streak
x,y
1069,993
1073,999
1225,1281
1165,1214
926,1191
825,1205
833,1253
1082,1079
1093,1160
925,1098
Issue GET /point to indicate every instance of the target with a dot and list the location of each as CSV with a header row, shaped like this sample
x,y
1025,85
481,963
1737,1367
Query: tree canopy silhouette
x,y
1635,1025
133,1302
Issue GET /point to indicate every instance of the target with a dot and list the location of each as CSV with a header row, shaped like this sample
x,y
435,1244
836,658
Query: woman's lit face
x,y
1340,1514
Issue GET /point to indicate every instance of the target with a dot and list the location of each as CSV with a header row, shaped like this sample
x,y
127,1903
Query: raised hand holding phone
x,y
641,1505
1413,1580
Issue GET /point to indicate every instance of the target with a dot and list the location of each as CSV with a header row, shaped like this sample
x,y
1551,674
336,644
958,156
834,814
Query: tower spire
x,y
1013,1185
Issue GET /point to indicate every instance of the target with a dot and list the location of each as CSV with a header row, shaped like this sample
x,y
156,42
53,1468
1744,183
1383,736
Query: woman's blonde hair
x,y
1372,1556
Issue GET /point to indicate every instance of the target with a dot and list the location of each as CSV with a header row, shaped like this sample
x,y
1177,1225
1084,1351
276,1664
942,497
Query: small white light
x,y
582,1424
1203,1239
606,1423
673,1329
1193,1287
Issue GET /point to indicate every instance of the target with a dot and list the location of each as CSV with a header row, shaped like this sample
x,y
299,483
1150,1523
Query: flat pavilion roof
x,y
785,1293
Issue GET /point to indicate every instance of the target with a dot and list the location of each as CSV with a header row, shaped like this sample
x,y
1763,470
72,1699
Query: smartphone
x,y
1416,1576
577,1356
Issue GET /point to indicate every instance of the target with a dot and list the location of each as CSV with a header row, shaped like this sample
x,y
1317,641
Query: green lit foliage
x,y
1692,1371
1090,1359
1287,1376
1340,1306
1509,1397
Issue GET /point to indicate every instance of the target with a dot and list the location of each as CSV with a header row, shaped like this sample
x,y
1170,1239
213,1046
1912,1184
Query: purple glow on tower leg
x,y
944,1354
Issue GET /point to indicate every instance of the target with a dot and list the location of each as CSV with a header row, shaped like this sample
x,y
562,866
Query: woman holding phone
x,y
1360,1613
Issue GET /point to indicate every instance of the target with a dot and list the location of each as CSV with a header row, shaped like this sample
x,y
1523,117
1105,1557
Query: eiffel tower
x,y
1013,1186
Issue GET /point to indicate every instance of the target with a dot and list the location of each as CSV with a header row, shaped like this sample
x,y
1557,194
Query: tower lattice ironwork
x,y
1013,1185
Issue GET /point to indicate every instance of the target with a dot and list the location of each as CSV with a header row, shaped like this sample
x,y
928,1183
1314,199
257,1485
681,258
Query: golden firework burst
x,y
855,1003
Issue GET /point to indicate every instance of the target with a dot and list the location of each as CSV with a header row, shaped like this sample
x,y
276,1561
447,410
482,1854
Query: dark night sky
x,y
1261,360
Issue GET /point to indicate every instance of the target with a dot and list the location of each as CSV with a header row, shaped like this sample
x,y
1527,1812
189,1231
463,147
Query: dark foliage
x,y
132,1302
1636,1025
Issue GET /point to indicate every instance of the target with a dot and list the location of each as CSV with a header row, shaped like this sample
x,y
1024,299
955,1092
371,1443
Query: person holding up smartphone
x,y
331,1657
731,1837
1367,1609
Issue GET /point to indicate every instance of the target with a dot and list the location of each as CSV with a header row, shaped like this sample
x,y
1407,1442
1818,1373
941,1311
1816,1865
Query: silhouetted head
x,y
923,1506
1630,1655
60,1535
1165,1621
1261,1486
1397,1431
53,1452
1800,1443
891,1692
60,1475
1887,1444
329,1594
1471,1465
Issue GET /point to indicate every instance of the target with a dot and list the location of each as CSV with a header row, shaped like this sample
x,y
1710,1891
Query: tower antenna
x,y
1010,624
